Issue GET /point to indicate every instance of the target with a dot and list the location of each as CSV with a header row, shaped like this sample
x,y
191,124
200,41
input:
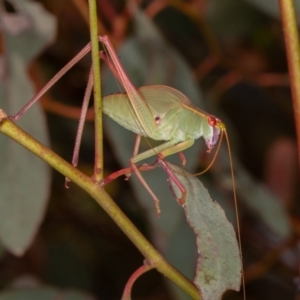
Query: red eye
x,y
212,121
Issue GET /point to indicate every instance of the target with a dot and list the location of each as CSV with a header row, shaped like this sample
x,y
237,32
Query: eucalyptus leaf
x,y
233,17
24,178
219,266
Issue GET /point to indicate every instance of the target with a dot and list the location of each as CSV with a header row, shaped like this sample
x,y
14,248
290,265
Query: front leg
x,y
161,151
165,149
145,184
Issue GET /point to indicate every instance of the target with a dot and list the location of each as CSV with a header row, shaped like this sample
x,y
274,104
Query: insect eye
x,y
157,120
212,121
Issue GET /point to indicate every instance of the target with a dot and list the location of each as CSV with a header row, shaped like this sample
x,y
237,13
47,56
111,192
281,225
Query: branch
x,y
13,131
98,168
139,272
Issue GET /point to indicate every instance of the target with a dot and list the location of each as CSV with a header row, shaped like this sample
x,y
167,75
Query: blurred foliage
x,y
238,58
30,24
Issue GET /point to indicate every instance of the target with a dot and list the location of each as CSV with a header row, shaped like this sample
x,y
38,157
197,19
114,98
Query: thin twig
x,y
290,30
83,9
140,271
98,168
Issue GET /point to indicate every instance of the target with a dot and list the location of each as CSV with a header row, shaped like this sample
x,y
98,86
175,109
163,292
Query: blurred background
x,y
236,55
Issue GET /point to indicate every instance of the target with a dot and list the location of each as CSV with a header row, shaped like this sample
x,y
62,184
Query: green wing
x,y
162,99
164,102
167,103
176,118
119,108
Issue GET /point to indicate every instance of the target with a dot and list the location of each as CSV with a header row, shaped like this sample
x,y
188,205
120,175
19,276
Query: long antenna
x,y
236,208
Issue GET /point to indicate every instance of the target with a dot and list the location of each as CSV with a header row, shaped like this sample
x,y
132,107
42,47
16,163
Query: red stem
x,y
140,271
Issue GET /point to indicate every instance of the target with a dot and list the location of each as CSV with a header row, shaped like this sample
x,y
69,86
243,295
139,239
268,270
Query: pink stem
x,y
140,271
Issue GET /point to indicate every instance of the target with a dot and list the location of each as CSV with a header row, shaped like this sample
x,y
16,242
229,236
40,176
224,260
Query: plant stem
x,y
290,30
83,9
13,131
98,168
138,273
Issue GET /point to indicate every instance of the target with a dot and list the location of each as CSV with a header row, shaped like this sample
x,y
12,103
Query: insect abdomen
x,y
118,107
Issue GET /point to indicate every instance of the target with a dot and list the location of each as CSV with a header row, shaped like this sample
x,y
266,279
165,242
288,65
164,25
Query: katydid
x,y
158,112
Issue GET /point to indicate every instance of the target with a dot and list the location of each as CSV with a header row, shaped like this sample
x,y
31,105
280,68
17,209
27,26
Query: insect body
x,y
158,112
178,122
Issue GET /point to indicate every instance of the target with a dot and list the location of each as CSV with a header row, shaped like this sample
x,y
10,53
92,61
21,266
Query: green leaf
x,y
24,178
43,293
233,18
219,266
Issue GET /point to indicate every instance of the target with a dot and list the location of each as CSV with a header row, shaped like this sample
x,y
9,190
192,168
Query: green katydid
x,y
158,112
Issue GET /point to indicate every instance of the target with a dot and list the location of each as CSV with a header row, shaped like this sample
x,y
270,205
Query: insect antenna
x,y
236,208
